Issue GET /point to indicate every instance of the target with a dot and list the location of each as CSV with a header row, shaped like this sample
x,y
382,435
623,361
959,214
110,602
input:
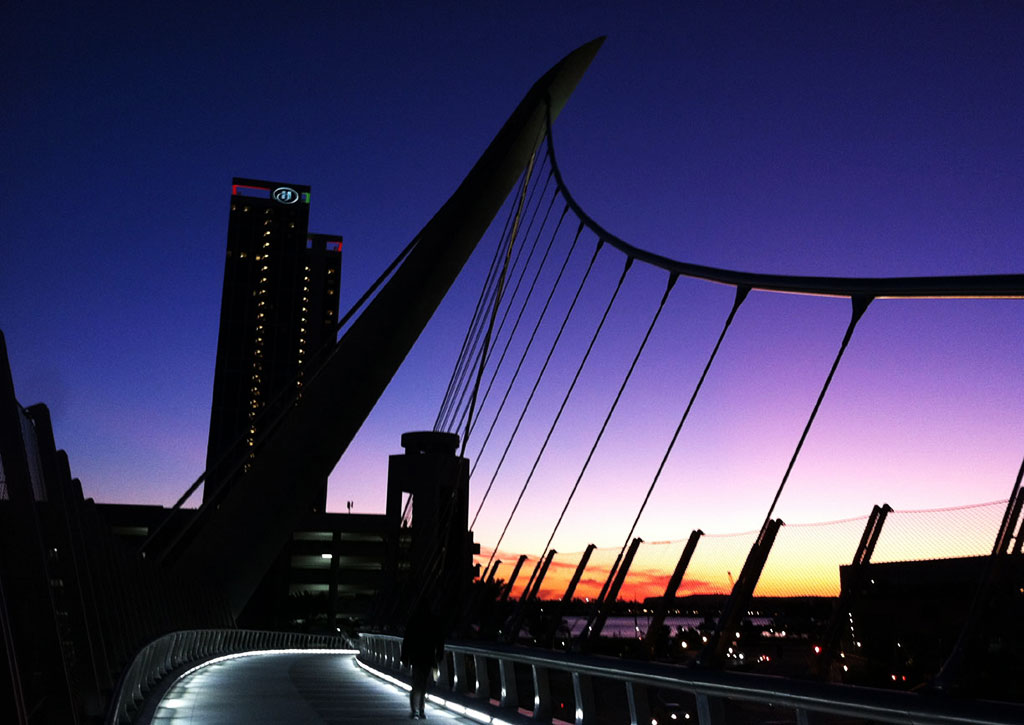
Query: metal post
x,y
953,669
861,559
461,681
512,579
613,592
574,582
714,652
483,681
583,697
494,570
509,693
540,576
541,694
639,708
661,609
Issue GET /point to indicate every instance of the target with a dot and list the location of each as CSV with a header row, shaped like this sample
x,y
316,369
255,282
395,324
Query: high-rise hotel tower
x,y
278,315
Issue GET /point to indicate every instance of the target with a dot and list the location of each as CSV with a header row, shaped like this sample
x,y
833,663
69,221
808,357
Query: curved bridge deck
x,y
288,687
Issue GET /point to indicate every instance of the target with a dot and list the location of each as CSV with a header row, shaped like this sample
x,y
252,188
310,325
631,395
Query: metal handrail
x,y
709,687
168,656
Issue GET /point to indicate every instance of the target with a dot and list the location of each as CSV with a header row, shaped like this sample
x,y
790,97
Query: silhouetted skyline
x,y
856,140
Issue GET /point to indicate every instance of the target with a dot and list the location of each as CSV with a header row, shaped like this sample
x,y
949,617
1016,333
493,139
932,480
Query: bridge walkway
x,y
289,687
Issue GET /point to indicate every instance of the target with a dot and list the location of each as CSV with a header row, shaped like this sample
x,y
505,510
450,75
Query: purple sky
x,y
854,139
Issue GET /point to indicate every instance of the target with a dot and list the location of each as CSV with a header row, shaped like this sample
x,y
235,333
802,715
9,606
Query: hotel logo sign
x,y
285,195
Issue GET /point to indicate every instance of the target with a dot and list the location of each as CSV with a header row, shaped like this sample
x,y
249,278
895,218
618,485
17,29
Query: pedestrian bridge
x,y
258,677
286,686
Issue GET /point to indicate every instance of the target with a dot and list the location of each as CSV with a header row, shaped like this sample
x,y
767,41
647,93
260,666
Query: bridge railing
x,y
715,693
165,659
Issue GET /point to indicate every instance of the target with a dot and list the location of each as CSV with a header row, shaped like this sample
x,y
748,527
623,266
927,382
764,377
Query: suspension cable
x,y
533,335
629,373
508,311
494,309
741,295
540,375
565,400
474,320
860,304
450,424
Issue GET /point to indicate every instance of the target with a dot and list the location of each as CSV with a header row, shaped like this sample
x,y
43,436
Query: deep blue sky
x,y
857,139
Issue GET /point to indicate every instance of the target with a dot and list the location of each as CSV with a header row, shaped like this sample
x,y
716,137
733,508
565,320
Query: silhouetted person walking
x,y
422,647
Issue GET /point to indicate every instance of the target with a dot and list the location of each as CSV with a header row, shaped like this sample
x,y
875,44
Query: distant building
x,y
279,311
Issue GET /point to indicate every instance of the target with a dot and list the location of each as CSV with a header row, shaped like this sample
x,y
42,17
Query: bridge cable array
x,y
859,291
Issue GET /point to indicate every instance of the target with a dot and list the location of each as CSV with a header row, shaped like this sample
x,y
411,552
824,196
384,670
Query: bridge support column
x,y
852,587
613,592
578,574
714,652
540,577
493,571
673,586
440,553
512,579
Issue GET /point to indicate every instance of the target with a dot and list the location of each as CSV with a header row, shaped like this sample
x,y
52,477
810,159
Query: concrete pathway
x,y
290,687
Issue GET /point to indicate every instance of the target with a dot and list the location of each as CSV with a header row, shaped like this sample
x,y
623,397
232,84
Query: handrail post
x,y
483,681
583,696
443,670
461,681
709,710
639,708
509,693
541,694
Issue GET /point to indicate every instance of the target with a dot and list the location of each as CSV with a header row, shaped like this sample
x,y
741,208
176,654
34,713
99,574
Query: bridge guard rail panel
x,y
712,692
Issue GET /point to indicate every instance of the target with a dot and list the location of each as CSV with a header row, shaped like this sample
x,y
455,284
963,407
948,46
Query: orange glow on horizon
x,y
805,559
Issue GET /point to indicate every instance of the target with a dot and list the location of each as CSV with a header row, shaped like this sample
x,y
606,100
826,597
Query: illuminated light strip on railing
x,y
455,707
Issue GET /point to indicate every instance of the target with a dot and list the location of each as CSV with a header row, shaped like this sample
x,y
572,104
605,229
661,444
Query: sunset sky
x,y
848,139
